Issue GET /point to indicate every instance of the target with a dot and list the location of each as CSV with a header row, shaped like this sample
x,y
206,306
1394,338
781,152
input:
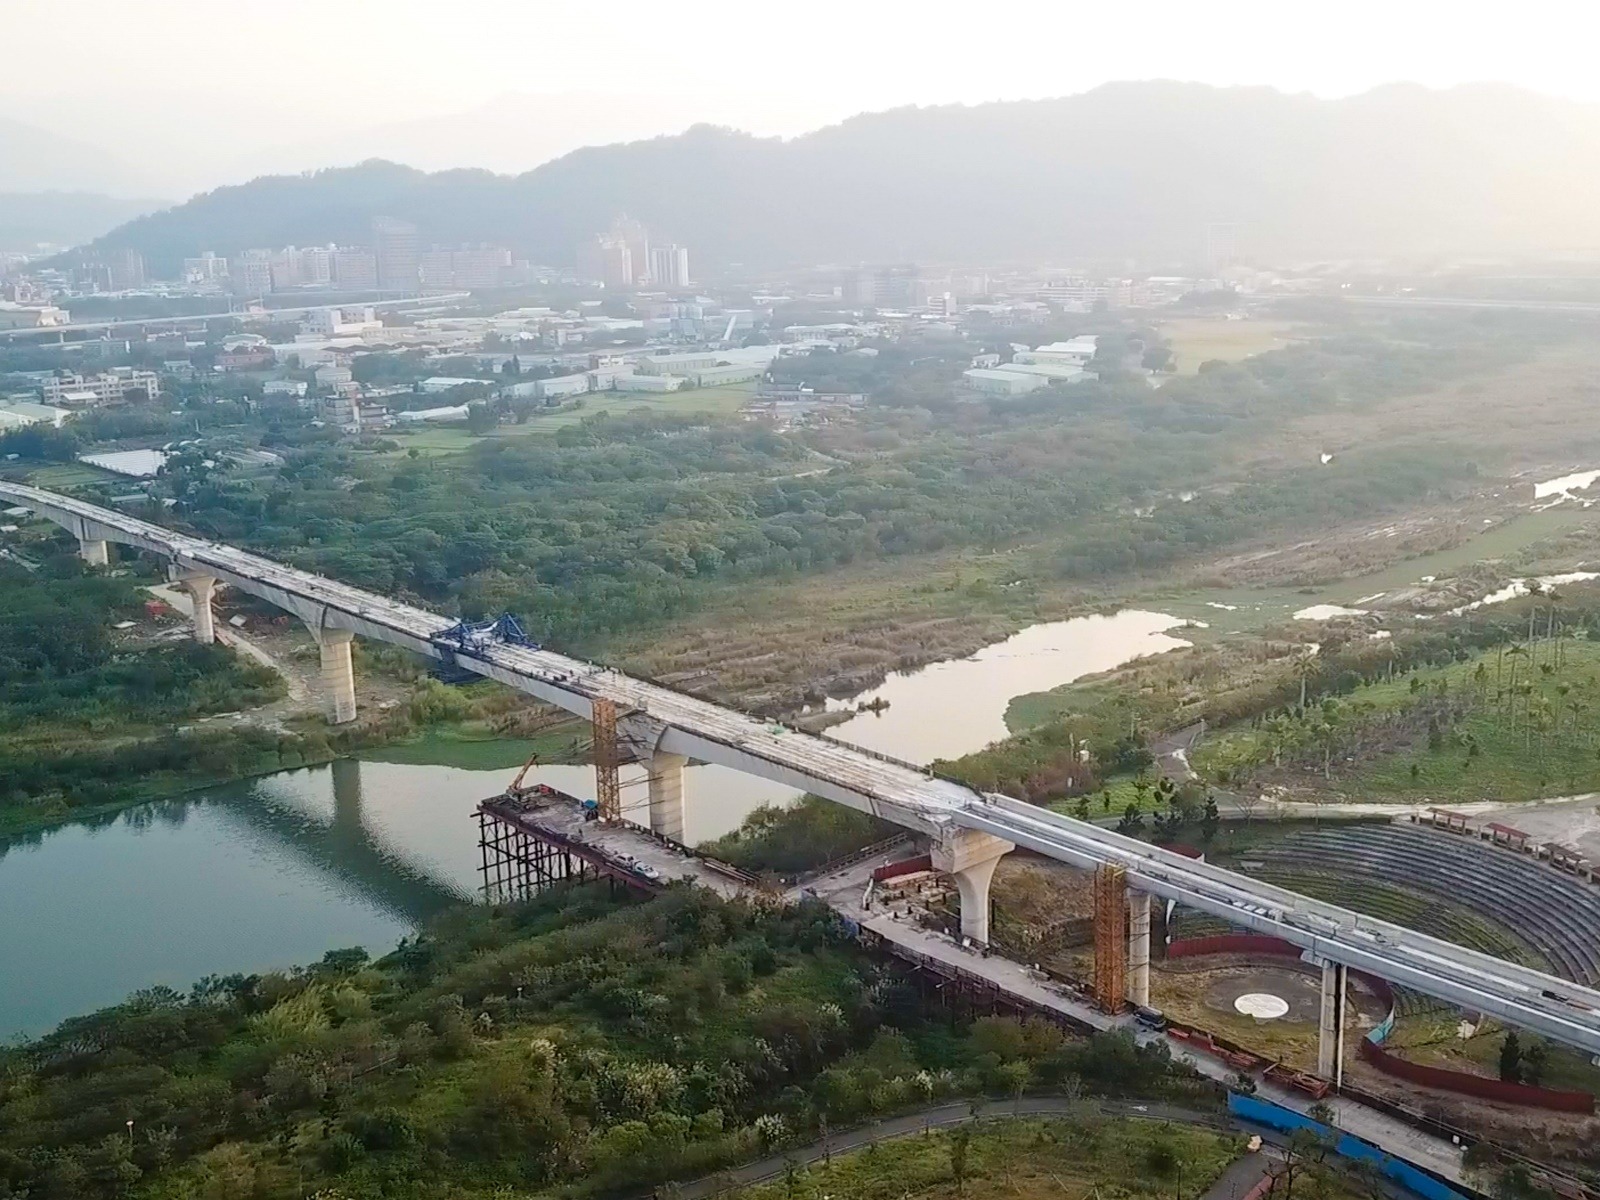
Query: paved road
x,y
946,1115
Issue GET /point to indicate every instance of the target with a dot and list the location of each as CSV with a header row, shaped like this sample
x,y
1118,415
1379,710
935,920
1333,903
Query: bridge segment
x,y
969,830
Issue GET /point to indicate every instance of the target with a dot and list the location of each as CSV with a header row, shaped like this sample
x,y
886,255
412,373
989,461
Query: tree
x,y
1211,821
1511,1058
1132,822
960,1144
1306,668
1534,1060
481,418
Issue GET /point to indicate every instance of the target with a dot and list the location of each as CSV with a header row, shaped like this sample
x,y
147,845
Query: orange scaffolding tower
x,y
607,788
1110,937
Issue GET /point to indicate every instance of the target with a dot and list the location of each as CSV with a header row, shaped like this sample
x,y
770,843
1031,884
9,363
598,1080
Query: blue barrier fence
x,y
1275,1116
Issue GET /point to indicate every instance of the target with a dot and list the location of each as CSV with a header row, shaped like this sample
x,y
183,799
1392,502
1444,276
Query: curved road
x,y
943,1116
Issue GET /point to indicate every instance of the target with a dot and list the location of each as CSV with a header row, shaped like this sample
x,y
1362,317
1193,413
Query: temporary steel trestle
x,y
518,865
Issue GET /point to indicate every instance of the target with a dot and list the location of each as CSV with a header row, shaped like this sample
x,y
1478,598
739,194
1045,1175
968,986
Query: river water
x,y
279,870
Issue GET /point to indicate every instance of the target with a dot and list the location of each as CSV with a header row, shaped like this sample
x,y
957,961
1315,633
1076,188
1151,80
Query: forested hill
x,y
1136,169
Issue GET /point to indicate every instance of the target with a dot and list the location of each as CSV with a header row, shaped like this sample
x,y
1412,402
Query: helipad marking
x,y
1262,1006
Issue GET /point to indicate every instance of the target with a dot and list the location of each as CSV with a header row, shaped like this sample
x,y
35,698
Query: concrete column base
x,y
970,857
1330,1032
94,552
338,675
1138,948
666,795
200,589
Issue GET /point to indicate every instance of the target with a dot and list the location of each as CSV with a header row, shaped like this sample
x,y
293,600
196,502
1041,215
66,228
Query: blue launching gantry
x,y
472,639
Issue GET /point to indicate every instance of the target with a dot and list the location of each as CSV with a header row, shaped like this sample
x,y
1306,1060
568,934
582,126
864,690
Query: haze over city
x,y
770,602
186,95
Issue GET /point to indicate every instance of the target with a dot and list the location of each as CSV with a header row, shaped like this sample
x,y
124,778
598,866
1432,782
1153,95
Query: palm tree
x,y
1306,668
1514,652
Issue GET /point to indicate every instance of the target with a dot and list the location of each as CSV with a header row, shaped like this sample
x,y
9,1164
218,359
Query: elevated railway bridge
x,y
969,831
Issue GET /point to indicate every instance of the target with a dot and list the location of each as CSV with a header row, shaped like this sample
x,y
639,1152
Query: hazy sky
x,y
216,87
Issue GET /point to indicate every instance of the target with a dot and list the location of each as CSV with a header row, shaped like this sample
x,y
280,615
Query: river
x,y
277,871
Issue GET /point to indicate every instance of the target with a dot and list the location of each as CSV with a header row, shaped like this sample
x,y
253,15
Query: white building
x,y
562,385
37,316
208,268
110,387
340,322
1056,372
683,363
140,464
284,387
735,373
331,376
995,382
455,412
669,266
443,383
1075,350
649,383
15,414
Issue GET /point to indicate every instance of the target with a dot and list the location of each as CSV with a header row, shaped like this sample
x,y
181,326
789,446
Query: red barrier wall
x,y
906,866
1459,1082
1232,943
1475,1085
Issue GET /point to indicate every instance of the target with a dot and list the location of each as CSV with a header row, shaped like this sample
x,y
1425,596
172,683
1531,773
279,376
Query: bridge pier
x,y
1330,1033
1138,948
338,674
94,551
666,794
970,857
200,589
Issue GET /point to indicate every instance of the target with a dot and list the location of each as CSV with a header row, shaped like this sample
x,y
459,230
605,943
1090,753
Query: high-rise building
x,y
316,265
251,273
632,234
285,268
396,246
436,268
483,267
124,270
669,266
607,260
355,269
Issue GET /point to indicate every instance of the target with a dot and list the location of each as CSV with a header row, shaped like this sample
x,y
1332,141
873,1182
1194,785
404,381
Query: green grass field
x,y
453,439
1553,751
1202,339
1020,1160
1253,608
66,475
1247,611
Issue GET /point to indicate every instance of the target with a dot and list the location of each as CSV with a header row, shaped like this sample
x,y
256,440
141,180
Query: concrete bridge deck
x,y
969,830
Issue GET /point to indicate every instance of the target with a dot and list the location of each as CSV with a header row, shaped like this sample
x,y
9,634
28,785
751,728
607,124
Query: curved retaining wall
x,y
1371,1048
1231,943
1460,1082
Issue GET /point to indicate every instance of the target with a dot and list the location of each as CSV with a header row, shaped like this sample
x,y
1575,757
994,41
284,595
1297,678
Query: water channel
x,y
277,871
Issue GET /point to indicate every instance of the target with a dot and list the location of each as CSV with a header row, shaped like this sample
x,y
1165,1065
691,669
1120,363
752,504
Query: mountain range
x,y
1132,172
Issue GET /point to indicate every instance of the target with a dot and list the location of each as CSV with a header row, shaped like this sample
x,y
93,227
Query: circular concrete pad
x,y
1263,1006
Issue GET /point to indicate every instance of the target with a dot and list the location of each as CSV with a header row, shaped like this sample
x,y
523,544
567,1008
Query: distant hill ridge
x,y
1132,170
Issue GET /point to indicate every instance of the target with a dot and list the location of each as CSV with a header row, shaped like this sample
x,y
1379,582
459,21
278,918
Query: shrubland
x,y
574,1045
